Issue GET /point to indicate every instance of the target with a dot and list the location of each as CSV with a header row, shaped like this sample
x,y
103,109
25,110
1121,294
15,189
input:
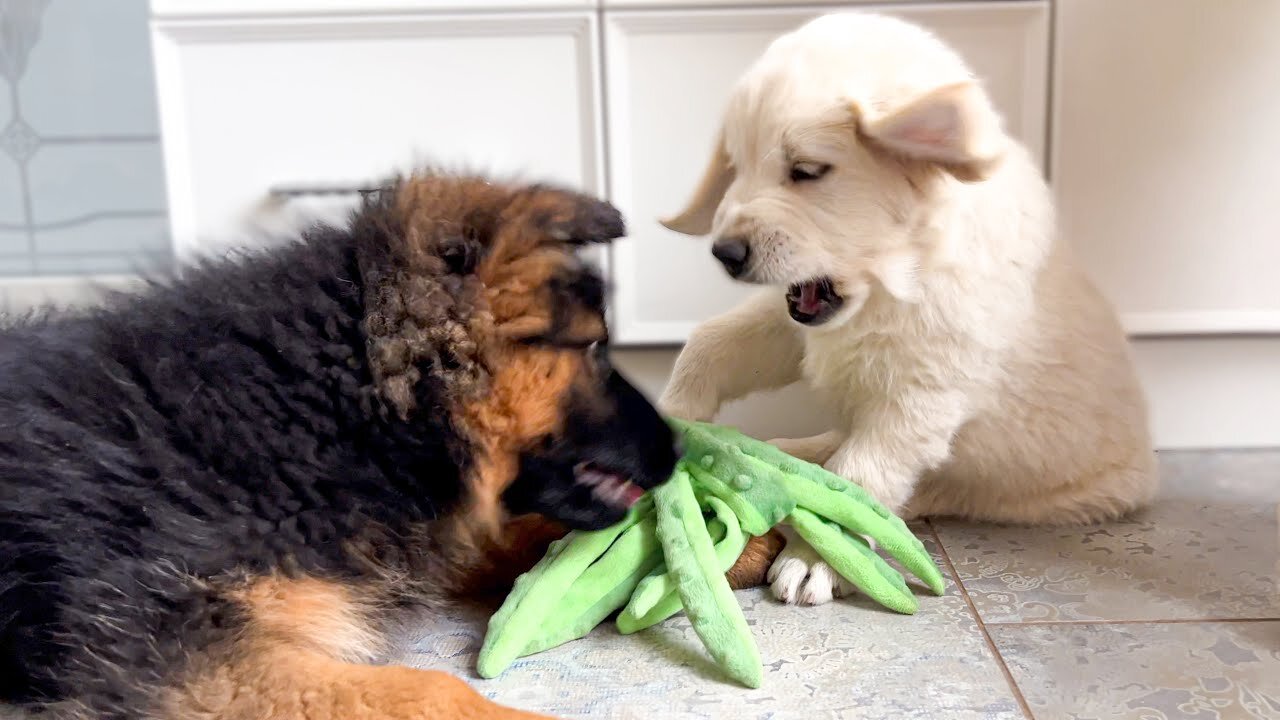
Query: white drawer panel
x,y
243,8
251,104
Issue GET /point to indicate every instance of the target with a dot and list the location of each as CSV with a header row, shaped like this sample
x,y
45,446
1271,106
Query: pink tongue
x,y
633,494
809,298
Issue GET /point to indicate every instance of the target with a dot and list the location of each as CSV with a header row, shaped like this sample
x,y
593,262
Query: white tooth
x,y
606,490
601,492
619,491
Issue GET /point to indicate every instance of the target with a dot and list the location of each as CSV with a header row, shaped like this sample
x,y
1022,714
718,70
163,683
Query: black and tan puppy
x,y
213,494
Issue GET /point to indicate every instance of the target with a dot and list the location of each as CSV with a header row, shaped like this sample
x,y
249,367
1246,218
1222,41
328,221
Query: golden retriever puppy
x,y
914,279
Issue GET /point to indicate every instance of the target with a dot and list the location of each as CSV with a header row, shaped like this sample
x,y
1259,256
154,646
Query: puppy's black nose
x,y
732,253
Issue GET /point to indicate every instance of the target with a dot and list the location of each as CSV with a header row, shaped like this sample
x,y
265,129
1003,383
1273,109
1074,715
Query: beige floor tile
x,y
1183,558
843,659
1156,671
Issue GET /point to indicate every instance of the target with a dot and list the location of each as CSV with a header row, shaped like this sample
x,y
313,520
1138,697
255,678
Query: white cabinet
x,y
1164,163
1165,147
1162,143
254,95
248,103
668,75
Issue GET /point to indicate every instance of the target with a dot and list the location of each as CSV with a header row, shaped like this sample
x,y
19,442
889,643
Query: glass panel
x,y
81,179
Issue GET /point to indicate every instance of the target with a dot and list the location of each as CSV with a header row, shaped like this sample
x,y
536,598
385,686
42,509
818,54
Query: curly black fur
x,y
239,422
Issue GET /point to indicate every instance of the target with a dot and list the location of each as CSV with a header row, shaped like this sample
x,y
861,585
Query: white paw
x,y
799,576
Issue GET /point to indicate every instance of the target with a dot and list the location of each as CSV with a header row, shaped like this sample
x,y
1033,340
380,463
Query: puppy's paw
x,y
799,576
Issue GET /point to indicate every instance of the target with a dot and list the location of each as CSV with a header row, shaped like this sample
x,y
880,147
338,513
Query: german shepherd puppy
x,y
214,493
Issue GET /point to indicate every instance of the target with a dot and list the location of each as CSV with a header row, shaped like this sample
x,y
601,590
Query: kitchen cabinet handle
x,y
315,189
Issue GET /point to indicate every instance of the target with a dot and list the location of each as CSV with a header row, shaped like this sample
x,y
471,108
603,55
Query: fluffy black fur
x,y
229,423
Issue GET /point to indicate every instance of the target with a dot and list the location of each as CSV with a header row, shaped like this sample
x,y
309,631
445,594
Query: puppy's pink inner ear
x,y
954,126
933,128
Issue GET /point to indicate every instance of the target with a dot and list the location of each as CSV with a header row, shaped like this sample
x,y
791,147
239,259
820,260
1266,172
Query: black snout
x,y
611,449
733,254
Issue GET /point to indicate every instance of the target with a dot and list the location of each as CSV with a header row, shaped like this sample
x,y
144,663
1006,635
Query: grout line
x,y
982,627
1188,621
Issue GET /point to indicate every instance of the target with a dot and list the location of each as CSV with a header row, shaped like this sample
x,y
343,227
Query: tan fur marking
x,y
522,542
270,680
528,384
291,663
521,398
525,403
322,615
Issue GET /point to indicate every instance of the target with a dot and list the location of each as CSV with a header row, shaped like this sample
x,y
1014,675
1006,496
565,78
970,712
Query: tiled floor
x,y
1172,614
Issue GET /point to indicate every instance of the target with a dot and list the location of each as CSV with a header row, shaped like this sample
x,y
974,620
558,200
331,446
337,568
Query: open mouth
x,y
608,487
813,302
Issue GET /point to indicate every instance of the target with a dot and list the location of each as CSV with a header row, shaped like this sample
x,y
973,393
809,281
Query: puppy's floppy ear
x,y
700,211
953,126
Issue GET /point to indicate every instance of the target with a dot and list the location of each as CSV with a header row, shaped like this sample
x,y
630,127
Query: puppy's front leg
x,y
754,346
892,444
896,439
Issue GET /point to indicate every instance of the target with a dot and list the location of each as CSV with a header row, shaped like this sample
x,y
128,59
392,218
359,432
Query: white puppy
x,y
916,281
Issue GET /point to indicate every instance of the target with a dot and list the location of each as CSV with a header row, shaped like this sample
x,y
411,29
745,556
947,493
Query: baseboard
x,y
1204,393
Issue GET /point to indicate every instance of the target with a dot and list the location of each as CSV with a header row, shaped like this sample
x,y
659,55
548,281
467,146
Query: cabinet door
x,y
250,104
1164,155
668,75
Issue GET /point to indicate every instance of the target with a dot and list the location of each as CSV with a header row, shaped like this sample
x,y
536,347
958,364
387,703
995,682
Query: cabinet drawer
x,y
824,5
251,104
669,74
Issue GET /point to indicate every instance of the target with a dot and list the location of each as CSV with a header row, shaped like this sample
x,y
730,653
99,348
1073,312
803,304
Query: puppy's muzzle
x,y
733,253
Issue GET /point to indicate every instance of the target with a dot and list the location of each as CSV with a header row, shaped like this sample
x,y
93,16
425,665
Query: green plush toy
x,y
672,550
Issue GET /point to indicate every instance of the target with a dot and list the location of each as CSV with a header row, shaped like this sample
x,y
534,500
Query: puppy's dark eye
x,y
806,171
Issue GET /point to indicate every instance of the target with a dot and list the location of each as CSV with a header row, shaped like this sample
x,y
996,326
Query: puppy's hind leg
x,y
272,680
300,655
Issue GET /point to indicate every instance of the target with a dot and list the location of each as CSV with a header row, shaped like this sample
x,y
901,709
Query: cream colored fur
x,y
977,371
